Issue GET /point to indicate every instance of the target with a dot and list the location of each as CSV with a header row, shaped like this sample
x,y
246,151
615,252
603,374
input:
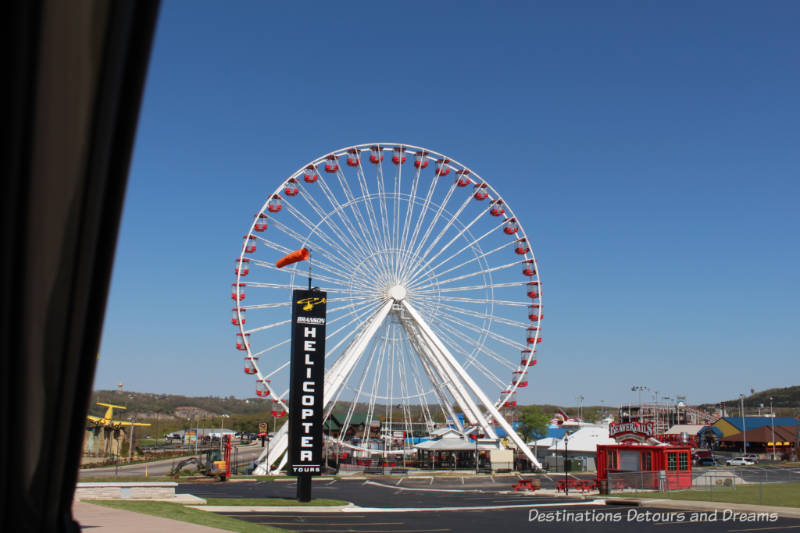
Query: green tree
x,y
532,423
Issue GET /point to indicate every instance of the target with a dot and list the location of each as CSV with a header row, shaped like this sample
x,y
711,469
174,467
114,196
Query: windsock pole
x,y
295,257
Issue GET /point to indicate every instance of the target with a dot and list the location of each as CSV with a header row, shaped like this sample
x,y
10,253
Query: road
x,y
431,505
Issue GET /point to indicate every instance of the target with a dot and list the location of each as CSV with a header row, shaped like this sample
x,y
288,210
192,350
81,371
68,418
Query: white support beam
x,y
444,366
335,377
490,408
427,363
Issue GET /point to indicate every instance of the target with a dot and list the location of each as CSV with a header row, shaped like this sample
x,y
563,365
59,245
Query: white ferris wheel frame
x,y
434,355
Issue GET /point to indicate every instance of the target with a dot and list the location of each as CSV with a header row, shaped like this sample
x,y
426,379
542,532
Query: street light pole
x,y
744,429
772,420
639,389
221,427
566,467
130,445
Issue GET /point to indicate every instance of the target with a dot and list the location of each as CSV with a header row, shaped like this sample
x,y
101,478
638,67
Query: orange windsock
x,y
294,257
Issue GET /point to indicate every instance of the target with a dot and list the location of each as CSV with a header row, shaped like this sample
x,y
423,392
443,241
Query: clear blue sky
x,y
650,149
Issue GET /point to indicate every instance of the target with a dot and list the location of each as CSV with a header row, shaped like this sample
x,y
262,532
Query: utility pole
x,y
580,408
772,420
566,475
638,389
221,427
130,445
744,429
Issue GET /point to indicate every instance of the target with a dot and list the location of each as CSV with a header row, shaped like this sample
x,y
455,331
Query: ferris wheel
x,y
434,300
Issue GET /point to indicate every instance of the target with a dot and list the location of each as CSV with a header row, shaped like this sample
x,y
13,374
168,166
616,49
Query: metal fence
x,y
751,484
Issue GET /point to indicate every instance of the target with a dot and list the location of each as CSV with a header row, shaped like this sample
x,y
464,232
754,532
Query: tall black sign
x,y
307,377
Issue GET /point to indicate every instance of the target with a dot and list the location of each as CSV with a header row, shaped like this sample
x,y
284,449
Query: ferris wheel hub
x,y
398,293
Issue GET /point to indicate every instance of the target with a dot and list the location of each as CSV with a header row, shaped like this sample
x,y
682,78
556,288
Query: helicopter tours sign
x,y
307,378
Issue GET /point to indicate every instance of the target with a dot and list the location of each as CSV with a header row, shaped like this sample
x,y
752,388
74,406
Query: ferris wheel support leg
x,y
427,362
472,385
462,396
334,378
344,364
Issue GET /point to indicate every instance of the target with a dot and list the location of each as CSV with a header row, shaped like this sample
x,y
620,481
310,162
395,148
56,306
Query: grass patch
x,y
175,511
780,494
274,502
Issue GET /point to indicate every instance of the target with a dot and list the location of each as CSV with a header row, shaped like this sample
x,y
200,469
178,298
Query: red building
x,y
640,461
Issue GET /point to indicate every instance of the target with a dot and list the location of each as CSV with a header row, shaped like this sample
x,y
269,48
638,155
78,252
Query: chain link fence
x,y
751,484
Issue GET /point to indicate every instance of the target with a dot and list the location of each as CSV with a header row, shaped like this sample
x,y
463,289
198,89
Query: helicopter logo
x,y
309,303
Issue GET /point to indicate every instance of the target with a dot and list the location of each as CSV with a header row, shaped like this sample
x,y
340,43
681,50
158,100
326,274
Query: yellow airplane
x,y
107,420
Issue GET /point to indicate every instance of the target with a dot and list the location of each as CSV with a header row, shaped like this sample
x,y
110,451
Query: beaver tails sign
x,y
631,431
307,379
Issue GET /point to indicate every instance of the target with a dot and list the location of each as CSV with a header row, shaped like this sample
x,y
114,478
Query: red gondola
x,y
261,222
399,156
242,267
525,354
249,365
522,247
376,154
420,159
510,404
497,208
261,388
533,289
310,175
242,340
278,410
238,291
530,268
274,204
480,191
530,334
332,165
291,187
237,312
511,226
441,167
352,159
461,177
249,244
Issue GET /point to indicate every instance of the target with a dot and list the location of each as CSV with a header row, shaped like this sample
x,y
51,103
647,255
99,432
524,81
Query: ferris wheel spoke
x,y
375,228
411,245
378,372
412,197
496,336
461,264
475,287
484,316
484,301
325,217
351,409
483,349
458,236
367,236
472,360
318,249
295,271
330,241
443,231
360,250
426,412
432,225
383,209
474,273
268,326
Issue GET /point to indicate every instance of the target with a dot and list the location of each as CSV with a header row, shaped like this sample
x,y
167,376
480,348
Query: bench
x,y
525,484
